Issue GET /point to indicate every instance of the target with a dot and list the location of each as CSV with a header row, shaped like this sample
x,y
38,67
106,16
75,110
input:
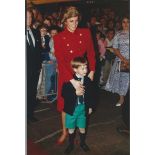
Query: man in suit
x,y
33,65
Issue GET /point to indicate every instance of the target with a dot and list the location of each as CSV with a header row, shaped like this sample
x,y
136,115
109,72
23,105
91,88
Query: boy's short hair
x,y
101,34
78,61
54,27
43,26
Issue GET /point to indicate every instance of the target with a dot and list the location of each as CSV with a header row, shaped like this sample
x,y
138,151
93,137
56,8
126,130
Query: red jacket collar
x,y
70,33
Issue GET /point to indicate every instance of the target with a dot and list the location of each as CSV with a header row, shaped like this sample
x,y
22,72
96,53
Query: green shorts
x,y
78,119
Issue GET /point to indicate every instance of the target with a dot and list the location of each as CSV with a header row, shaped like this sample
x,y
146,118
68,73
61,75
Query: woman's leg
x,y
64,130
121,101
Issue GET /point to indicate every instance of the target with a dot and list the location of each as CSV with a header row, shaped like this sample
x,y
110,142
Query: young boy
x,y
53,31
44,43
77,107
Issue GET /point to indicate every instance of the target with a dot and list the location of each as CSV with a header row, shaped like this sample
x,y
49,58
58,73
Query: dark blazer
x,y
33,66
70,97
33,54
47,47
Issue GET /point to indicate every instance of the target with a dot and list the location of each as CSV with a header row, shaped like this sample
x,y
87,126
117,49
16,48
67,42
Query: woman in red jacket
x,y
68,44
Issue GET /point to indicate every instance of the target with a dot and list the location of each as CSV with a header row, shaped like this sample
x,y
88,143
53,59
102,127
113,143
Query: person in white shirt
x,y
109,57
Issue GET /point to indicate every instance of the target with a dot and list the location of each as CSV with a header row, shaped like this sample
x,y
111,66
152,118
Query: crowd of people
x,y
60,48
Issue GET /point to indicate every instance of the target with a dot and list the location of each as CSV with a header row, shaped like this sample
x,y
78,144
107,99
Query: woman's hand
x,y
122,58
91,75
78,87
125,62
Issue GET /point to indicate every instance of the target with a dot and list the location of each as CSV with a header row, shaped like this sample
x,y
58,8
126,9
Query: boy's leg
x,y
81,123
83,144
70,147
70,124
71,136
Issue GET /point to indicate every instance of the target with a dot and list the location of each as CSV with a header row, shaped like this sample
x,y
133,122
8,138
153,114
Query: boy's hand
x,y
90,111
79,92
78,87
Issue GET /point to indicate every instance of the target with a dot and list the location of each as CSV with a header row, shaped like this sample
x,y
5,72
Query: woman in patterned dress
x,y
118,82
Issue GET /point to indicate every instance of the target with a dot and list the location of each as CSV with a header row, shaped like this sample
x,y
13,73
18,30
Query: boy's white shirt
x,y
79,76
82,81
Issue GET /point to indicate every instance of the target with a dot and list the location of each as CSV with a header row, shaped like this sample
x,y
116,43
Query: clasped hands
x,y
78,87
125,63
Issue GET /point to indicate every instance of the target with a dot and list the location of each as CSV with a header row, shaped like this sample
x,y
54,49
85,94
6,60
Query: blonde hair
x,y
69,13
78,61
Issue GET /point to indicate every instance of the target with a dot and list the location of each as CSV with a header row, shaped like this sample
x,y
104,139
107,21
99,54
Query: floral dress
x,y
118,82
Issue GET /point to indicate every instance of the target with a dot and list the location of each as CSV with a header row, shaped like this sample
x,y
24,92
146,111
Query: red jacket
x,y
67,46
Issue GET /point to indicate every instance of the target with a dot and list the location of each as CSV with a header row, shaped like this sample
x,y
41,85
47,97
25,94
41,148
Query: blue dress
x,y
118,82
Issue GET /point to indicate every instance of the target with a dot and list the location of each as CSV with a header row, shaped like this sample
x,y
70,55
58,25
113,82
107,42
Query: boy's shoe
x,y
69,149
85,147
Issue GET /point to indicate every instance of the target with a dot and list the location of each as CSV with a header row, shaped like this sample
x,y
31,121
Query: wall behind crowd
x,y
120,6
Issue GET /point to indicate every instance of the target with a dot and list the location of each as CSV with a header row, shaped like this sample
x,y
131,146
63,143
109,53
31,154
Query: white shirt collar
x,y
79,76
